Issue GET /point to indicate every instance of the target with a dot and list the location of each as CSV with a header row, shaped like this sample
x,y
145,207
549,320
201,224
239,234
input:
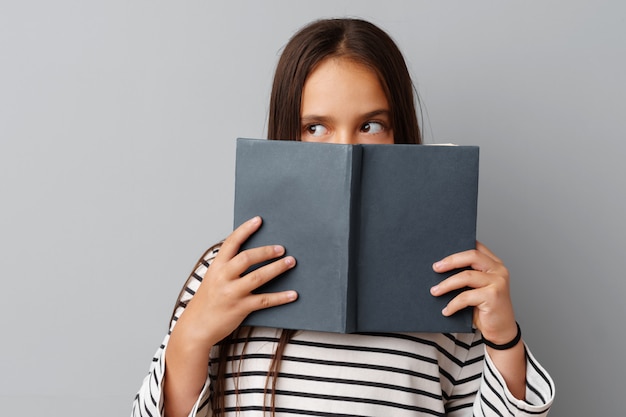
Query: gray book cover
x,y
365,224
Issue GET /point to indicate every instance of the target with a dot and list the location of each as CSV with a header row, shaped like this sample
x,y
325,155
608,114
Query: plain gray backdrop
x,y
117,128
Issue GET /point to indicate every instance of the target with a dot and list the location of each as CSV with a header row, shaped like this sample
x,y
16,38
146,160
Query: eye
x,y
316,130
372,127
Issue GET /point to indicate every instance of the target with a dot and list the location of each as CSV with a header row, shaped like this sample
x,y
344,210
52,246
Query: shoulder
x,y
210,254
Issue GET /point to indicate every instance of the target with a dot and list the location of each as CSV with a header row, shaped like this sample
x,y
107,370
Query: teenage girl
x,y
339,81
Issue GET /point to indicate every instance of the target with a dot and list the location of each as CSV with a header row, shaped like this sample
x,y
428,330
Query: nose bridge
x,y
345,136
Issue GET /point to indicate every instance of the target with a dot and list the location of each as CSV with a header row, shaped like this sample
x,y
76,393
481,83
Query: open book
x,y
365,224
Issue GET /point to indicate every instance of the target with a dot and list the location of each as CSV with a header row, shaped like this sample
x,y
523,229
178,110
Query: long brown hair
x,y
353,39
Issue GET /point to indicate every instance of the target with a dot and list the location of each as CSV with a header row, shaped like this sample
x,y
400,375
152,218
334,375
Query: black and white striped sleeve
x,y
494,398
149,400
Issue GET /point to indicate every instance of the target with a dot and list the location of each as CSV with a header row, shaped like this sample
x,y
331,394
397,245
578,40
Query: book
x,y
365,224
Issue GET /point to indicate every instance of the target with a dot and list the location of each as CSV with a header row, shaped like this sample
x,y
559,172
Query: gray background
x,y
117,127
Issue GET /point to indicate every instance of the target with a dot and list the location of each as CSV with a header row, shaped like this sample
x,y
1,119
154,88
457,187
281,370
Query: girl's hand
x,y
220,304
488,293
225,297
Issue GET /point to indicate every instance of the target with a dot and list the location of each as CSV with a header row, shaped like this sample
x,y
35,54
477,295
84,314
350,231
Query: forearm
x,y
511,364
186,369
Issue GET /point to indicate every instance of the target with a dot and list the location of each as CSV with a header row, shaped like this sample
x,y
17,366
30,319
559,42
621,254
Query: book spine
x,y
355,164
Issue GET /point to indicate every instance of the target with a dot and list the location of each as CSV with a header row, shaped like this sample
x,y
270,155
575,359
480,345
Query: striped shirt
x,y
340,375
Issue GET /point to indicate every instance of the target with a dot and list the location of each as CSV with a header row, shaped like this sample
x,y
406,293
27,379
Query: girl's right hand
x,y
225,297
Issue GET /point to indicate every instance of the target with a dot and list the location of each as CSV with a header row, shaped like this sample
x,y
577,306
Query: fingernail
x,y
255,220
278,249
292,295
438,265
290,261
434,289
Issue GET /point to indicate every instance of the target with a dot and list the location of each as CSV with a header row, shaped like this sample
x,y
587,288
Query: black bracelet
x,y
506,346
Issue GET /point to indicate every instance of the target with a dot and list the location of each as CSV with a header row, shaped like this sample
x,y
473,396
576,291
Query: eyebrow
x,y
379,112
368,115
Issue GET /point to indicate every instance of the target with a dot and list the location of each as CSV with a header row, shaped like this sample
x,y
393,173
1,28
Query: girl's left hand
x,y
488,291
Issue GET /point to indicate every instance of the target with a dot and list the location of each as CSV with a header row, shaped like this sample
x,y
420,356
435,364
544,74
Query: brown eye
x,y
316,130
372,127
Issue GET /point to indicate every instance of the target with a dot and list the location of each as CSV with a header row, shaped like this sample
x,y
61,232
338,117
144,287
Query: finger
x,y
246,259
490,300
468,298
464,279
261,301
486,297
255,279
473,258
233,242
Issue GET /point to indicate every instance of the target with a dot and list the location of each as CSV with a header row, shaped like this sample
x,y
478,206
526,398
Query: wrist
x,y
508,343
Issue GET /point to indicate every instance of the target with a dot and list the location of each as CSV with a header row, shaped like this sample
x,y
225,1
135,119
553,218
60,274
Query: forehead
x,y
340,82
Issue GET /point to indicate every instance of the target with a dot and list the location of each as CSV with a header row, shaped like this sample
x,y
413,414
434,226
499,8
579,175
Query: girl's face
x,y
343,102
